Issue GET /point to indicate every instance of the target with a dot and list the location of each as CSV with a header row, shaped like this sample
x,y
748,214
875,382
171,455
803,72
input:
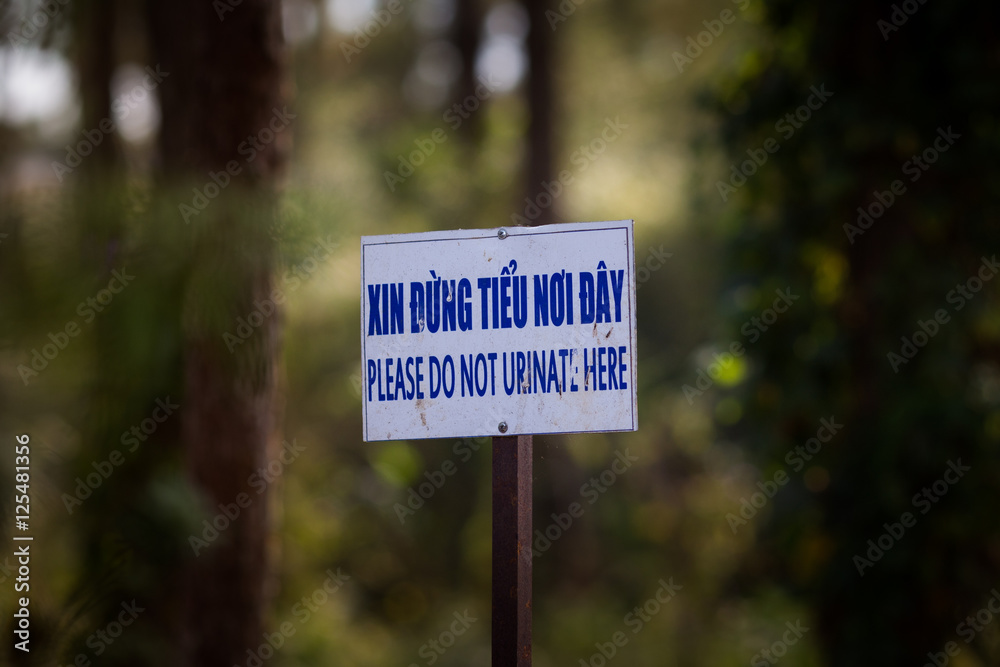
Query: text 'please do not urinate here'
x,y
500,302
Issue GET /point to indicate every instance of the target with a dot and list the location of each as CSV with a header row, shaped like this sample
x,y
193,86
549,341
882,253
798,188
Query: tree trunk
x,y
225,69
540,107
465,33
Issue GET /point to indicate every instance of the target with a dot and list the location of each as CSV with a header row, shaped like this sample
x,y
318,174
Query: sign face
x,y
490,332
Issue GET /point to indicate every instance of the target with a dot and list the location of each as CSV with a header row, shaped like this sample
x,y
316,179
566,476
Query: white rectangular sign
x,y
489,332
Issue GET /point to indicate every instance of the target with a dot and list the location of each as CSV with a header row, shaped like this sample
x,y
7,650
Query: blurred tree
x,y
899,77
540,94
224,107
466,36
198,243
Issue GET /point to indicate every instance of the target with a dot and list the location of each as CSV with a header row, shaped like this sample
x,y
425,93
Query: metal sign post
x,y
512,551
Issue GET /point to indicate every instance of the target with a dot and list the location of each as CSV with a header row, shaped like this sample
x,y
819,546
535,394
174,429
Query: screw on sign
x,y
503,333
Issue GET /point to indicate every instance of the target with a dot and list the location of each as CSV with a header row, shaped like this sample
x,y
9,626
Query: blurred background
x,y
815,191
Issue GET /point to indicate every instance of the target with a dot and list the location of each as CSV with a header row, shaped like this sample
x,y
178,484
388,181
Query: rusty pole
x,y
512,551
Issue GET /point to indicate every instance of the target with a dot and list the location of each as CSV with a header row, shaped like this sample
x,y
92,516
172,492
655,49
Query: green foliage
x,y
790,225
338,507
